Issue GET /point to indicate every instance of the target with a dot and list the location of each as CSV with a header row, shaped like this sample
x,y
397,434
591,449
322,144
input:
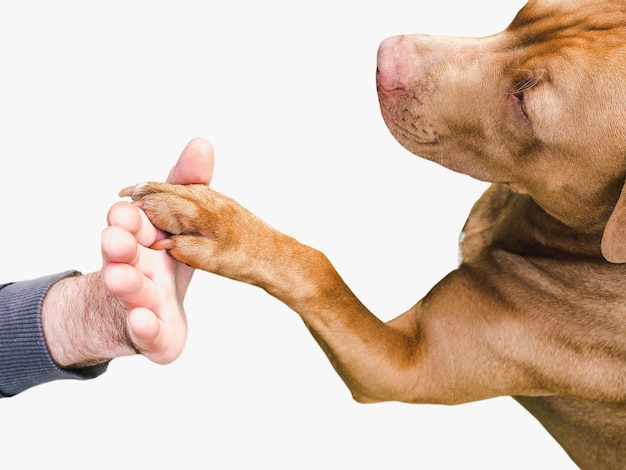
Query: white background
x,y
98,95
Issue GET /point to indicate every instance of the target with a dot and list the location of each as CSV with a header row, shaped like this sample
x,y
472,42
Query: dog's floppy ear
x,y
614,237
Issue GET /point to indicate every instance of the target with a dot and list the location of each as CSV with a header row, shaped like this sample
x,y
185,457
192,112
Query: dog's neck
x,y
513,222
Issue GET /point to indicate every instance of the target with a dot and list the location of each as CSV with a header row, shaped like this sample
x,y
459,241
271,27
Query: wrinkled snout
x,y
426,85
403,63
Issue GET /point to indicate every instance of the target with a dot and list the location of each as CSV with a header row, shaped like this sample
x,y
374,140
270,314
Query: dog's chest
x,y
479,230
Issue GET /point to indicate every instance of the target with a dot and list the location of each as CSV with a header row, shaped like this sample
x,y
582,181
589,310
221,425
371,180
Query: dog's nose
x,y
391,73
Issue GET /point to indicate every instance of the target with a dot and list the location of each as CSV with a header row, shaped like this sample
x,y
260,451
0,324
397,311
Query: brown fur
x,y
537,308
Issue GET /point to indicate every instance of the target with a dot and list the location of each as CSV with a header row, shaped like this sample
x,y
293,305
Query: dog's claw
x,y
163,244
128,191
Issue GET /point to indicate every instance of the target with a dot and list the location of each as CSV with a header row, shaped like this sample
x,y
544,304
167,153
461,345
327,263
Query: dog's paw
x,y
208,230
175,209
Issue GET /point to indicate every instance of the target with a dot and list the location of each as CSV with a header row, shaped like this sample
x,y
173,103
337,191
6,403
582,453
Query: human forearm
x,y
83,323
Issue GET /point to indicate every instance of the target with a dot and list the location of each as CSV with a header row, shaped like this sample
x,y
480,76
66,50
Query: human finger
x,y
131,286
126,215
119,246
195,164
156,340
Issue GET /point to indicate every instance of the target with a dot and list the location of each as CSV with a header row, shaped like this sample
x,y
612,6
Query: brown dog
x,y
537,308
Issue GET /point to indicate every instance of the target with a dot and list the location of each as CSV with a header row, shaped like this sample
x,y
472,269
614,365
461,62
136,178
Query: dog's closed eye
x,y
522,86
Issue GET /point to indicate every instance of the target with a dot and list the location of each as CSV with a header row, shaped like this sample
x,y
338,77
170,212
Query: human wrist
x,y
83,323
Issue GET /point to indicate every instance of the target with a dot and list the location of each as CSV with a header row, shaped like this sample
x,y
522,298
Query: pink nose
x,y
391,73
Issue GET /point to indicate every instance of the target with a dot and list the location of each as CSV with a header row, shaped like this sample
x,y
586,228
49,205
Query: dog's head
x,y
540,106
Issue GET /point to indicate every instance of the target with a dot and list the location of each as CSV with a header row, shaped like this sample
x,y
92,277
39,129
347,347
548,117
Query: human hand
x,y
135,303
149,284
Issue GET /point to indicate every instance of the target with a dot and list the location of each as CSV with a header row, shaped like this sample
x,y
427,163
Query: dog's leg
x,y
473,336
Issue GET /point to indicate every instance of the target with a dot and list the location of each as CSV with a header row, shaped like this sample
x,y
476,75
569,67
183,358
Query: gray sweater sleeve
x,y
24,357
